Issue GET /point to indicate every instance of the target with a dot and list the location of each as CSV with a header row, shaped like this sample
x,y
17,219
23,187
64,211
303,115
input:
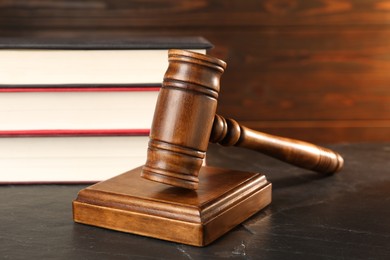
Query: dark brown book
x,y
136,60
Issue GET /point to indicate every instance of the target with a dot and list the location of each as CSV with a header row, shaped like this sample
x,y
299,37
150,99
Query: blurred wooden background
x,y
317,70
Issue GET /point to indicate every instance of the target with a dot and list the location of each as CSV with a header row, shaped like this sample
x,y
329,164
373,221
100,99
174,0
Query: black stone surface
x,y
345,216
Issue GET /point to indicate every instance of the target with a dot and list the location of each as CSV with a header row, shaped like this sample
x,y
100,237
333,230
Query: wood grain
x,y
322,63
183,118
131,204
228,132
185,121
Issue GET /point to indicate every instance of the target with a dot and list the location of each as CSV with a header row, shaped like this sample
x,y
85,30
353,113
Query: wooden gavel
x,y
185,121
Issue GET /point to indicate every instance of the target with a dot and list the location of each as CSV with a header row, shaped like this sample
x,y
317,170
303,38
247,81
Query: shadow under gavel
x,y
185,121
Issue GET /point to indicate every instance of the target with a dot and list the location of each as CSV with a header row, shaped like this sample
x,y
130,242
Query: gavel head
x,y
183,119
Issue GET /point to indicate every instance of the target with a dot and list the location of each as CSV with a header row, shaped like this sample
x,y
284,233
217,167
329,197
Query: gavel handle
x,y
228,132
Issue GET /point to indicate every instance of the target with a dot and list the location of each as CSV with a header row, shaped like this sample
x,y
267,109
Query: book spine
x,y
76,88
74,132
79,88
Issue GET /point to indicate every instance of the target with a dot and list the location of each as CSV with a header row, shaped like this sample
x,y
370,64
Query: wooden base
x,y
132,204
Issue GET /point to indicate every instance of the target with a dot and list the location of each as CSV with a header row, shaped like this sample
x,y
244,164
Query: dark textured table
x,y
345,216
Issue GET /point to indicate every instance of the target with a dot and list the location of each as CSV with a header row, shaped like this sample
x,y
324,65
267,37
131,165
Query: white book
x,y
69,159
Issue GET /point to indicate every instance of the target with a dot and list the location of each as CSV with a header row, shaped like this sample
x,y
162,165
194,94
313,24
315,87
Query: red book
x,y
73,134
83,84
77,110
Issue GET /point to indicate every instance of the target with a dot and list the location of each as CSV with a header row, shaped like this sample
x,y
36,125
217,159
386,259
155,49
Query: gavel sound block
x,y
205,202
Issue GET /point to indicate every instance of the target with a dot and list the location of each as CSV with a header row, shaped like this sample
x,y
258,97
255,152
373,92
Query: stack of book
x,y
79,110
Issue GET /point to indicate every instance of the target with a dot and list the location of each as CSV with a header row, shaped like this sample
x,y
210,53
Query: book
x,y
79,110
69,159
73,134
76,109
137,60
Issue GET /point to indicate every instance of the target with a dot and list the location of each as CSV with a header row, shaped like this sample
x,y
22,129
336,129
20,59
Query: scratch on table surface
x,y
183,251
240,249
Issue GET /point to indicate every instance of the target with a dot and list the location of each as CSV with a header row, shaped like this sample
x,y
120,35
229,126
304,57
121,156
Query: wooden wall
x,y
317,70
